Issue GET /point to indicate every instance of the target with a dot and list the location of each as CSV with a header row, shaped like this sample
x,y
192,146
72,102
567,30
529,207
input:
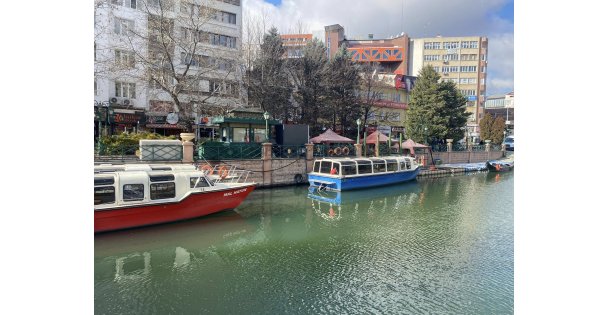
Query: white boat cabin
x,y
363,166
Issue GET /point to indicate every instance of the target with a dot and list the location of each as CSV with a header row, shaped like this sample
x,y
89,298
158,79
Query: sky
x,y
417,18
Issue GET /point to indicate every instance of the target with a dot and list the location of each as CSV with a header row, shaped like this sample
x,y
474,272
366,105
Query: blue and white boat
x,y
341,174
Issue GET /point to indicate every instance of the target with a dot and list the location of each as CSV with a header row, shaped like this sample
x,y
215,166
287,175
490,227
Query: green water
x,y
435,246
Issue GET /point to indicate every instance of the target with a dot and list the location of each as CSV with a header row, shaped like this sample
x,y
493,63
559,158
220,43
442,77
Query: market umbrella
x,y
371,139
329,136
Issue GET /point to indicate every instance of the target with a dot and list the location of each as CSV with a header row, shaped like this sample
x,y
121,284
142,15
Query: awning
x,y
165,126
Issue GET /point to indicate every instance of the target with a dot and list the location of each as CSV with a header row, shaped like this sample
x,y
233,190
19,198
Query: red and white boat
x,y
134,195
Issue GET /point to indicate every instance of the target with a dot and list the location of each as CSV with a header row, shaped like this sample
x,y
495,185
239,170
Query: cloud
x,y
417,18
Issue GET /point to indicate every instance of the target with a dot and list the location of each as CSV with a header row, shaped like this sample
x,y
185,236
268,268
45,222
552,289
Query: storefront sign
x,y
124,118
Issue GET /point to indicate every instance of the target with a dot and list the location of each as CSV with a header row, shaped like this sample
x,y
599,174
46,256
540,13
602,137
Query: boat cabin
x,y
362,166
135,187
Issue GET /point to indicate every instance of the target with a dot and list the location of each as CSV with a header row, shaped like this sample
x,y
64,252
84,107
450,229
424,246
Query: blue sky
x,y
417,18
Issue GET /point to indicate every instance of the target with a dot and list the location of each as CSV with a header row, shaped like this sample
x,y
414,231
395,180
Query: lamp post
x,y
266,116
358,125
504,136
425,135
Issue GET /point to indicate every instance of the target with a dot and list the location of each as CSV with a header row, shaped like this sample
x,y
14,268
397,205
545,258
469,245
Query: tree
x,y
166,50
369,92
343,83
497,130
485,127
308,75
426,104
269,87
454,110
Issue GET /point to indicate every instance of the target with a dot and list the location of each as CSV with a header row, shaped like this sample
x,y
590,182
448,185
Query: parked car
x,y
509,143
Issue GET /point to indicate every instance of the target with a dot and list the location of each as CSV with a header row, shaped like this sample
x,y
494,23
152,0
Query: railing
x,y
479,147
334,150
162,152
227,151
289,151
225,173
124,152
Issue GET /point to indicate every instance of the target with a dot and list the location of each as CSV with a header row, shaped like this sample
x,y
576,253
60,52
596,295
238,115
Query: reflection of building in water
x,y
133,266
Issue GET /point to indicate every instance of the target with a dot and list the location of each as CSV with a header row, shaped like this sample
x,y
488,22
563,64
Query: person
x,y
333,171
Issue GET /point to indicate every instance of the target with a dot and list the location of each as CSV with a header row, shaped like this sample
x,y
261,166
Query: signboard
x,y
172,118
127,118
405,82
472,97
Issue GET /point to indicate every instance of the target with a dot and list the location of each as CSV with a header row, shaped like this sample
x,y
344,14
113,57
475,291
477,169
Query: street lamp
x,y
425,135
504,136
358,125
266,116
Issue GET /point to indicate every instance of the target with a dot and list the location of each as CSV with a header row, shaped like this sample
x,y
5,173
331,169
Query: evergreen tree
x,y
269,87
425,107
308,74
454,111
343,83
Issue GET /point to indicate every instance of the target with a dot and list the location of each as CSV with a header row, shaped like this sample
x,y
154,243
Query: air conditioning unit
x,y
445,73
114,100
126,102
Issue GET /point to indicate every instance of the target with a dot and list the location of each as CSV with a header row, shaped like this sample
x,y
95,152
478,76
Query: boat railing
x,y
227,174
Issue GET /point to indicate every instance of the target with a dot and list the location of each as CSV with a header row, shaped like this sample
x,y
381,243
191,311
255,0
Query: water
x,y
435,246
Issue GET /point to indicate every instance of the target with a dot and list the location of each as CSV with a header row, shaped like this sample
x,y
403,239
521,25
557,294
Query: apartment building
x,y
136,40
392,83
462,60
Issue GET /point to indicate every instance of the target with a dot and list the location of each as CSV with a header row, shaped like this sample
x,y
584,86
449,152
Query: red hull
x,y
195,205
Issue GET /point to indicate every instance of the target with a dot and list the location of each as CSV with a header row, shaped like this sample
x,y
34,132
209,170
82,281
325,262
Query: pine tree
x,y
343,83
425,107
269,87
455,111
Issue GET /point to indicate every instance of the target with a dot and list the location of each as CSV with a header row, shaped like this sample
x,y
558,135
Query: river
x,y
433,246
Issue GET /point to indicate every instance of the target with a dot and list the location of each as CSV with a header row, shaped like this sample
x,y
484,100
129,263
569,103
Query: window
x,y
474,44
225,17
483,57
325,167
379,166
483,69
240,135
317,167
468,69
402,165
349,168
364,167
436,69
198,182
222,40
125,89
408,165
391,165
124,58
465,44
450,57
133,192
95,88
190,8
436,45
125,3
431,57
162,191
194,60
233,2
259,135
468,80
123,26
104,195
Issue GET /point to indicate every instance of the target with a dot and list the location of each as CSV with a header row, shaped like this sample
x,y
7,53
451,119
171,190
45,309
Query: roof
x,y
329,136
372,137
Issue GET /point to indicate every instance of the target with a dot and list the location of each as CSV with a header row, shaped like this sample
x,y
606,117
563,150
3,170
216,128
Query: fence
x,y
227,151
334,150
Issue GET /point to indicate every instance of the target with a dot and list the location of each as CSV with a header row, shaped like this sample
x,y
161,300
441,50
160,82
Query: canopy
x,y
410,144
329,136
371,139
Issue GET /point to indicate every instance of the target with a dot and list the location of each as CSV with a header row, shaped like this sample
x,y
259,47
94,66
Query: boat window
x,y
198,182
160,168
391,165
349,169
402,165
364,168
408,164
162,191
379,166
104,181
162,178
325,167
104,195
317,167
133,192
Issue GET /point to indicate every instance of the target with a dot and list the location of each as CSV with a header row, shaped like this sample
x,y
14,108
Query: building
x,y
462,60
294,44
392,85
131,47
502,106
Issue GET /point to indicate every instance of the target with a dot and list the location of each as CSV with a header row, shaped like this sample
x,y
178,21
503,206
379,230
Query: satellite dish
x,y
172,118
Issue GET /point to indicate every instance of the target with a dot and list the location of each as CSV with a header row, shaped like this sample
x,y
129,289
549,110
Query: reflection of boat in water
x,y
330,204
348,174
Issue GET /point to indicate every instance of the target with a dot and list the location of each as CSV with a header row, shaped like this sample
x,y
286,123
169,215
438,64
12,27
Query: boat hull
x,y
499,167
361,181
196,204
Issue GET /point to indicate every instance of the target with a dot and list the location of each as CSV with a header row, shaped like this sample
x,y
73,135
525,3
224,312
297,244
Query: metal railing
x,y
288,151
227,151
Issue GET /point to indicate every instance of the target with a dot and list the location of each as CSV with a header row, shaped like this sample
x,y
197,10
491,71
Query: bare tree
x,y
369,92
174,50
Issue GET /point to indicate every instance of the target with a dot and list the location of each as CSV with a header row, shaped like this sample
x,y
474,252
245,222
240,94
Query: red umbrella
x,y
329,136
371,139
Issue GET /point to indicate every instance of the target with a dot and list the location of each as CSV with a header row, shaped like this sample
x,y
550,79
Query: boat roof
x,y
349,160
102,168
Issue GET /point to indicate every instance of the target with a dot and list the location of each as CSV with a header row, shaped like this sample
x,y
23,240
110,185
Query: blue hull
x,y
361,181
